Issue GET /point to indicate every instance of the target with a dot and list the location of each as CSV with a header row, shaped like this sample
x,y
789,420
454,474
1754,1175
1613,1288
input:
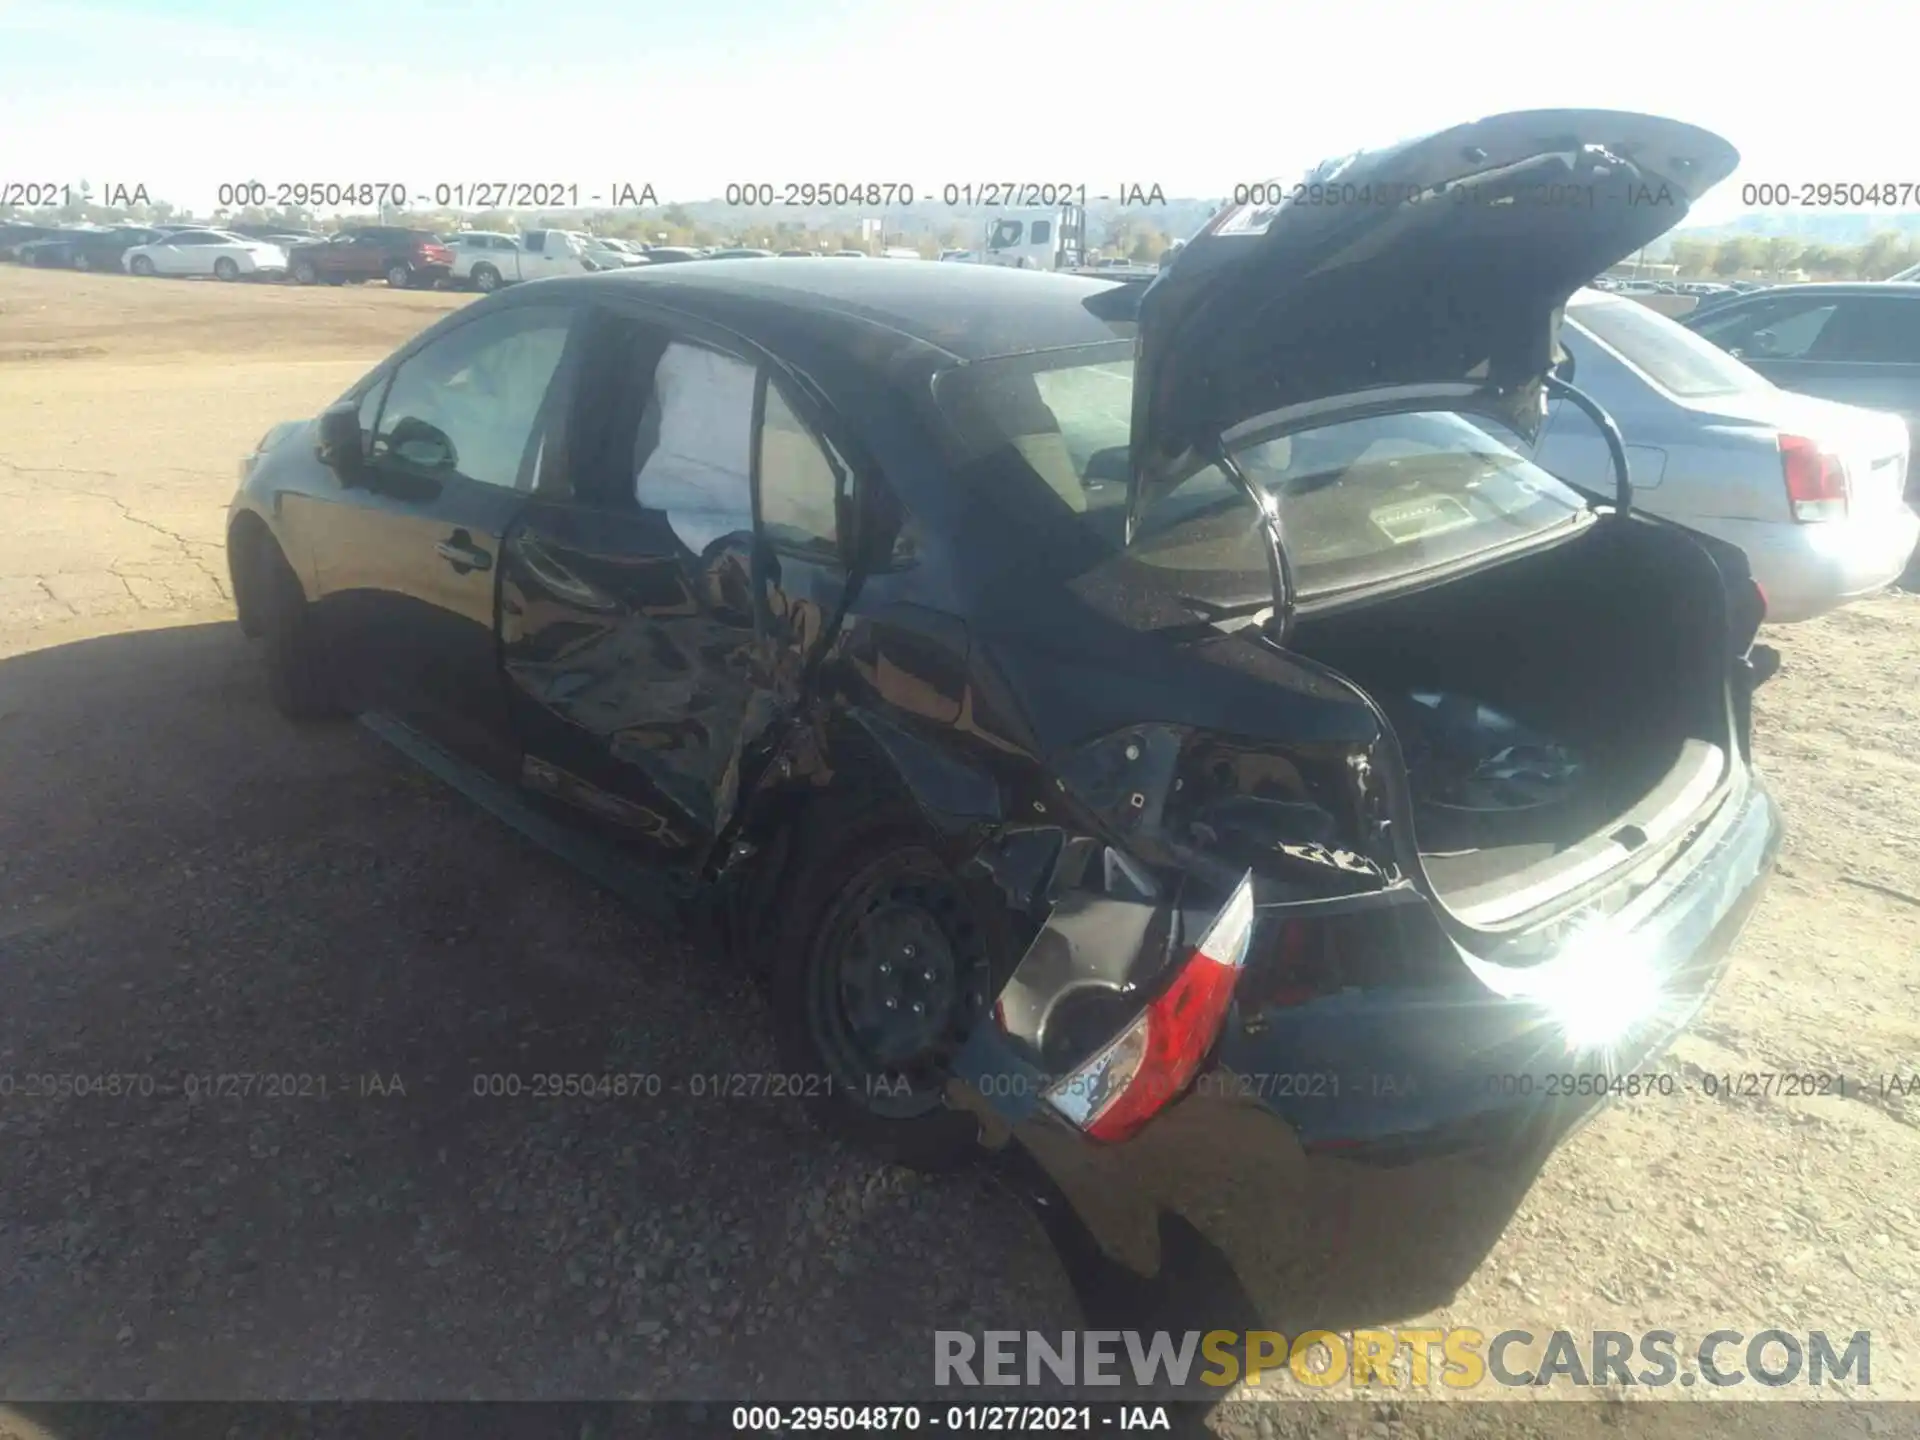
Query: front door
x,y
407,562
655,632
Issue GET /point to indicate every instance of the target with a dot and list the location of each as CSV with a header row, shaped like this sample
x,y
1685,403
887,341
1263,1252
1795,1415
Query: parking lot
x,y
190,887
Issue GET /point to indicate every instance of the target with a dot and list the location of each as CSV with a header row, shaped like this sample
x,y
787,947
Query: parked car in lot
x,y
603,252
489,259
215,253
1854,342
50,251
98,249
740,252
15,234
672,254
404,258
1811,490
1090,706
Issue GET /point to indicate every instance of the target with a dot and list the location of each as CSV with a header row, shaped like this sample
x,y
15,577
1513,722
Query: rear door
x,y
657,619
181,254
547,252
365,256
334,260
1870,355
1858,349
407,562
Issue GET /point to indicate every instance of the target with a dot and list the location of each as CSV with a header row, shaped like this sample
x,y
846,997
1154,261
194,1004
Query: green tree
x,y
1780,253
1693,254
1881,256
1738,253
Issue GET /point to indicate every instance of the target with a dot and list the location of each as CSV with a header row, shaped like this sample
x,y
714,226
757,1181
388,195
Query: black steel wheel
x,y
882,967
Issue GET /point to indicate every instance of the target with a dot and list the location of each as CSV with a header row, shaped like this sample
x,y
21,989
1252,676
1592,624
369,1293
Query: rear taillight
x,y
1155,1058
1816,481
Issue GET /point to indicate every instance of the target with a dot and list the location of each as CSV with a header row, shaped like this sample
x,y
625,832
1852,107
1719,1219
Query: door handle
x,y
459,551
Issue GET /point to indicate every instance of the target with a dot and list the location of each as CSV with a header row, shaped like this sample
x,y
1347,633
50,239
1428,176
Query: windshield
x,y
1361,501
1668,354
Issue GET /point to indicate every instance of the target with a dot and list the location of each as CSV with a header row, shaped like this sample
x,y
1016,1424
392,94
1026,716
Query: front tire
x,y
80,260
399,277
298,678
142,267
881,963
226,269
304,273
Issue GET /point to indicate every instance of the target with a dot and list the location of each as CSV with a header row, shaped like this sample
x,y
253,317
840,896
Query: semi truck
x,y
1044,238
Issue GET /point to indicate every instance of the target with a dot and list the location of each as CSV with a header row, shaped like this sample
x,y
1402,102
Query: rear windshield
x,y
1668,354
1361,502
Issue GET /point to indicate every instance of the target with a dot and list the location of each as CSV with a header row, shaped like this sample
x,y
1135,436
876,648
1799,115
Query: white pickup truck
x,y
488,259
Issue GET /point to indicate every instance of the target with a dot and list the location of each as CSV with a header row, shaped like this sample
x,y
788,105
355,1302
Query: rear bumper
x,y
1472,1077
1808,570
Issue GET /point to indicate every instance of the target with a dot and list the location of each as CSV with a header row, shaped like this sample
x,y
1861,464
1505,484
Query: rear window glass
x,y
1668,354
1361,501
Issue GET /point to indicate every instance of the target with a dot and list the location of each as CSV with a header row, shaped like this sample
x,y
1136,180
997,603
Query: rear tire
x,y
486,279
297,675
870,925
142,266
80,260
304,273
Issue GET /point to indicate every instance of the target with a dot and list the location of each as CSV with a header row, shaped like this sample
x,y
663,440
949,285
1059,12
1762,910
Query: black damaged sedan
x,y
1153,725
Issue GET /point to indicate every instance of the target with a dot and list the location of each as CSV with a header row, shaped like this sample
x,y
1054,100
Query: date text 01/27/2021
x,y
987,1418
445,194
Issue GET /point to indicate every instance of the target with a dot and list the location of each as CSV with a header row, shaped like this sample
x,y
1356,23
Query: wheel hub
x,y
898,983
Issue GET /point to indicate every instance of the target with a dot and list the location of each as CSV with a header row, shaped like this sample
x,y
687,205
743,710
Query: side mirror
x,y
422,446
340,447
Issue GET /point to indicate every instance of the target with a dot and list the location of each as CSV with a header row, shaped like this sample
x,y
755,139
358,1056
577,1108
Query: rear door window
x,y
694,453
1874,331
1667,353
1783,329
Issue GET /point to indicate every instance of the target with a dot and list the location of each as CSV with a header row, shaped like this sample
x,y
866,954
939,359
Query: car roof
x,y
1906,288
969,312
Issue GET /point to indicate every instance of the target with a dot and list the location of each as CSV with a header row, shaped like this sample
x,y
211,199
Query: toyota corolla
x,y
1148,724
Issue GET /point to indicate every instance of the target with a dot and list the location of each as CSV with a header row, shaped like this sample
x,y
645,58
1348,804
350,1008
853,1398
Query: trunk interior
x,y
1571,710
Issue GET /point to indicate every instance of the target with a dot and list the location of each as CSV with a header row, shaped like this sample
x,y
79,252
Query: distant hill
x,y
1832,227
1177,218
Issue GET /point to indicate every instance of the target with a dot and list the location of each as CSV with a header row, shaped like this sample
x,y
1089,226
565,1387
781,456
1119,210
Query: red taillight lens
x,y
1816,481
1155,1058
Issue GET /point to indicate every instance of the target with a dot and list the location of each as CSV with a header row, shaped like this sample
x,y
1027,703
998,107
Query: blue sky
x,y
1194,95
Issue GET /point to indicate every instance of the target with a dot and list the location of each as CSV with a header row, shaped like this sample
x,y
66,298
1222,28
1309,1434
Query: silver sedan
x,y
1811,490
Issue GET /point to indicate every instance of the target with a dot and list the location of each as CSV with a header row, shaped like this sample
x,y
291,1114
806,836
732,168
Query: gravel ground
x,y
189,887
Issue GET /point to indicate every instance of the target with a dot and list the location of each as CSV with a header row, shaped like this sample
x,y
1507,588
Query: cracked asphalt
x,y
191,888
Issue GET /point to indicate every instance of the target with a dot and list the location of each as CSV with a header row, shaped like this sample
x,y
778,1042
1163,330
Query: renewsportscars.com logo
x,y
1458,1359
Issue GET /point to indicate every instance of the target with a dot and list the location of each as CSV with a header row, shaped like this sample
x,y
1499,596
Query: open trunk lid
x,y
1440,262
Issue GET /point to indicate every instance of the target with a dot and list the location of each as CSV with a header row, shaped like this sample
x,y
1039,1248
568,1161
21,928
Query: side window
x,y
1881,332
1042,231
467,404
797,485
1781,331
537,241
696,441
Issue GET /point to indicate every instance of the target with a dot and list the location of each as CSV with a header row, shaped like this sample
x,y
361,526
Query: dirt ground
x,y
188,886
